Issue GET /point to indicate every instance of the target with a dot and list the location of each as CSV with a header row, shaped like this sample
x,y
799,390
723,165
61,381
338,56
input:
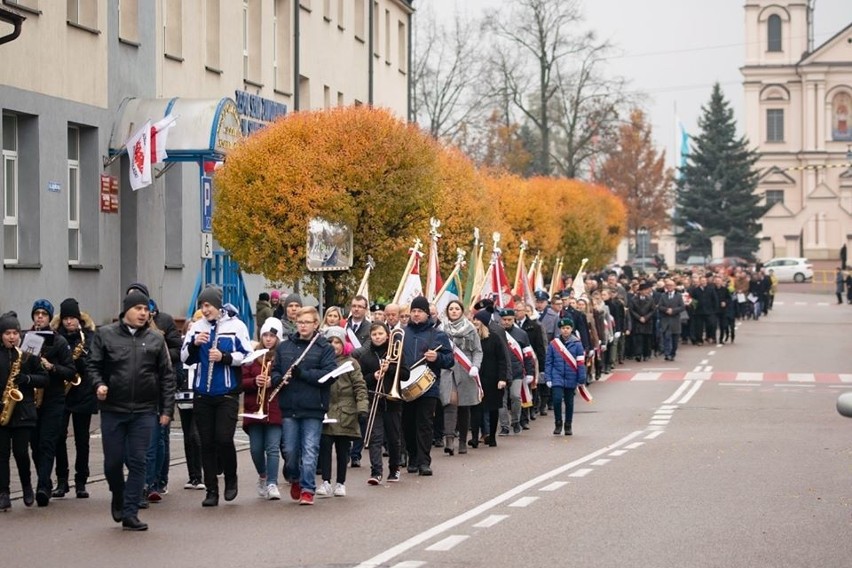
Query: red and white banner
x,y
466,364
139,154
159,137
526,395
573,362
522,285
584,393
353,339
412,287
434,282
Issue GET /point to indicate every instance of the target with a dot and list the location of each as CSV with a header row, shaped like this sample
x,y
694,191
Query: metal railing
x,y
224,272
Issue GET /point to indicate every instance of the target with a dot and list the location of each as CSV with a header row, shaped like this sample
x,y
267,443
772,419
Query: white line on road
x,y
659,422
409,564
845,378
582,472
634,445
523,502
394,551
492,520
663,410
712,353
600,462
656,434
555,485
749,377
678,392
668,407
822,303
801,378
697,376
691,392
794,385
704,362
448,543
646,376
708,368
617,453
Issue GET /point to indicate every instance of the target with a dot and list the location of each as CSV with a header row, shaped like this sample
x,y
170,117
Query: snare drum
x,y
420,380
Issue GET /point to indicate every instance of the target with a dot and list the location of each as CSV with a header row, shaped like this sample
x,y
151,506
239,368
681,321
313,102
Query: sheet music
x,y
33,342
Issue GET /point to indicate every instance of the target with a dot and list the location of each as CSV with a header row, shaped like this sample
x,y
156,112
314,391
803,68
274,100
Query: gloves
x,y
474,371
549,384
528,379
295,373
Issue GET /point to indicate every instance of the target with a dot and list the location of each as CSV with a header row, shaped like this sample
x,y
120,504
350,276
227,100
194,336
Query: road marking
x,y
707,369
822,303
656,434
658,422
583,472
665,410
668,407
800,303
678,392
383,557
793,385
713,352
844,378
523,502
703,362
801,378
448,543
695,376
492,520
686,398
554,486
749,377
634,445
618,453
600,462
646,376
409,564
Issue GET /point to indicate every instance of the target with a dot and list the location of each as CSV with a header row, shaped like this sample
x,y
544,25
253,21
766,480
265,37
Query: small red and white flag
x,y
434,282
159,137
139,154
412,285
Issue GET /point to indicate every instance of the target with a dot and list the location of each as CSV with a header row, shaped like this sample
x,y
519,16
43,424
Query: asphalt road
x,y
730,456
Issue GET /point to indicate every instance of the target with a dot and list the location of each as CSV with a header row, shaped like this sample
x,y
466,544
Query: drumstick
x,y
424,358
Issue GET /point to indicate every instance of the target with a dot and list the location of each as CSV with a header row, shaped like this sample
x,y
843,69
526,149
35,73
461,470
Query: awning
x,y
206,129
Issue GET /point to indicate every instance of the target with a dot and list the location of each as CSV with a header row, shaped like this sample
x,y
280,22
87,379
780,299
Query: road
x,y
731,456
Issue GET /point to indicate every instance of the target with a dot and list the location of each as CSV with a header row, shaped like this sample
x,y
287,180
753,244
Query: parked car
x,y
727,262
790,269
645,264
696,261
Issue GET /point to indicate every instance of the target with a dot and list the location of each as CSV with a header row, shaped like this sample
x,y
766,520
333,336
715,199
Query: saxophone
x,y
79,350
11,394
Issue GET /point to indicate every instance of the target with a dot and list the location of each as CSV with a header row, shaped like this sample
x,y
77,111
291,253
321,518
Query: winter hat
x,y
420,303
212,295
138,286
263,297
42,304
566,321
335,331
69,308
133,299
273,325
8,321
484,317
292,298
275,295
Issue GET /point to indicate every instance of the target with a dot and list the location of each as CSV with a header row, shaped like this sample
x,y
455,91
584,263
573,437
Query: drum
x,y
420,380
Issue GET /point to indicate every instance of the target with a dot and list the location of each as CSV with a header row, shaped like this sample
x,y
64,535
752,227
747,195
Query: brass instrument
x,y
79,350
286,378
393,356
261,393
11,394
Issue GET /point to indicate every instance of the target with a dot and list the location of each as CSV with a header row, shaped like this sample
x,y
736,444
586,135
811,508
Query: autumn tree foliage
x,y
355,165
636,173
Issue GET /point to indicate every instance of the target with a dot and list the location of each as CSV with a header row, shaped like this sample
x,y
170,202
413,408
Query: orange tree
x,y
355,165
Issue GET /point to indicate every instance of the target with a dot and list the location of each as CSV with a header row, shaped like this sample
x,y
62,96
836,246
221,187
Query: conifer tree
x,y
716,190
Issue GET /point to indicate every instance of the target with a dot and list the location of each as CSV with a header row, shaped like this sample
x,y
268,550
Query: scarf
x,y
460,332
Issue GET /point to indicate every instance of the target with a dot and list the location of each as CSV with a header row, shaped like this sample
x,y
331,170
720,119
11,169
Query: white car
x,y
790,269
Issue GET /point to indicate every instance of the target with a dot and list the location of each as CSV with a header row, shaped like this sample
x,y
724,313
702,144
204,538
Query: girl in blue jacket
x,y
564,370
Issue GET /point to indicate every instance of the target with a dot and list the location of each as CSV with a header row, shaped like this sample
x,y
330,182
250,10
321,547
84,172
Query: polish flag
x,y
434,282
159,136
501,285
139,152
412,287
522,285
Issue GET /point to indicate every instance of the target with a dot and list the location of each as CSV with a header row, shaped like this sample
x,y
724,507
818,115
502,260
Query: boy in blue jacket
x,y
564,370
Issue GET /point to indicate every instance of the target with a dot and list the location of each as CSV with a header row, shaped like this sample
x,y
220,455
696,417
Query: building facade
x,y
69,84
798,98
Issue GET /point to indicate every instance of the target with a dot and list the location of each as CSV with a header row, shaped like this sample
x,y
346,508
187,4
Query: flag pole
x,y
414,251
364,286
460,254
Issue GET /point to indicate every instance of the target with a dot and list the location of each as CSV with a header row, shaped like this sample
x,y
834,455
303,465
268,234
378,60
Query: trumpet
x,y
394,356
261,393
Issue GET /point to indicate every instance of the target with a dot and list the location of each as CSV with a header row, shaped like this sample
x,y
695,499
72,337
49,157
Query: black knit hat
x,y
8,321
484,317
69,308
138,286
133,299
420,303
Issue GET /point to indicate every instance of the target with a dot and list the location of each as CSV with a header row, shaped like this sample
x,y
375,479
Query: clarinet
x,y
210,363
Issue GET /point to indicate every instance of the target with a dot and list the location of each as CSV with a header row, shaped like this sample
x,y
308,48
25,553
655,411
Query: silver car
x,y
790,269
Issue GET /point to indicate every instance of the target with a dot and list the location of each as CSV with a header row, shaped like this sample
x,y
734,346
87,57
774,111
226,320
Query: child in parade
x,y
565,370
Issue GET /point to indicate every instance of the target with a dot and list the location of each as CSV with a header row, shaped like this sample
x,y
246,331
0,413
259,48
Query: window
x,y
281,46
212,28
306,4
339,99
403,47
387,36
174,216
128,20
245,39
774,125
376,29
83,13
774,196
326,96
31,4
359,20
173,29
304,93
10,188
773,33
73,195
251,41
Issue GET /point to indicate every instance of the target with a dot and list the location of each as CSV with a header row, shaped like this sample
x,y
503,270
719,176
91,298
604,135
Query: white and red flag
x,y
522,282
139,154
159,137
434,282
410,285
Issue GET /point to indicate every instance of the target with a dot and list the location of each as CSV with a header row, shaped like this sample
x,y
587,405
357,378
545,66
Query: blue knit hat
x,y
42,304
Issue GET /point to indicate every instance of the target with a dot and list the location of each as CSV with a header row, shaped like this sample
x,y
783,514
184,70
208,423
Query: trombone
x,y
394,356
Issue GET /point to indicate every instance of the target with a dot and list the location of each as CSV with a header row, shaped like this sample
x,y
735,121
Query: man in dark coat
x,y
704,316
642,326
670,307
538,342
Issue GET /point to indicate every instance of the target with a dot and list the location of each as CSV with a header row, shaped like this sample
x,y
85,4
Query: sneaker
x,y
306,498
164,490
295,490
375,479
324,489
261,487
272,492
154,496
516,428
503,432
194,484
339,490
394,477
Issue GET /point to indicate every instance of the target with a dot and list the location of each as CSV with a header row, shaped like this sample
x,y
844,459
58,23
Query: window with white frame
x,y
212,18
10,188
73,195
774,196
402,44
83,13
281,16
128,20
360,21
773,33
173,29
774,125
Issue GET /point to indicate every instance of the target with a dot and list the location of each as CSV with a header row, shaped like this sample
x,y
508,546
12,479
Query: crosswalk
x,y
739,377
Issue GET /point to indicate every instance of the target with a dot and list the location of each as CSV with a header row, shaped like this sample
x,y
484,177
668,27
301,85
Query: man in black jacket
x,y
538,342
132,375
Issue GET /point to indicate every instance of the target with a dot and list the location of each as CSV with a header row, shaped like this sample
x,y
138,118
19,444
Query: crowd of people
x,y
396,380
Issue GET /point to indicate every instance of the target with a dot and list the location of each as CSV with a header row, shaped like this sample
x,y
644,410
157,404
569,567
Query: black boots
x,y
61,488
29,496
5,502
80,490
211,500
558,429
231,489
133,524
116,506
568,431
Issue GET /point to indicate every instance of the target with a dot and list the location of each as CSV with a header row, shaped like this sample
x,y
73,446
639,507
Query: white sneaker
x,y
261,487
340,490
324,489
272,492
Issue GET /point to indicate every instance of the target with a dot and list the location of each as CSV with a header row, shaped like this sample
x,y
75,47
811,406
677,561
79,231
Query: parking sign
x,y
206,204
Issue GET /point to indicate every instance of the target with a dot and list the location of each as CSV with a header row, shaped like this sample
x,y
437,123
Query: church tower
x,y
778,32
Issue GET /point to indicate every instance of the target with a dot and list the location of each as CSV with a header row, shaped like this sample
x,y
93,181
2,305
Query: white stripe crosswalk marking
x,y
801,378
749,377
523,502
600,462
617,453
490,521
653,435
448,543
409,564
634,445
646,376
845,378
554,486
582,472
698,376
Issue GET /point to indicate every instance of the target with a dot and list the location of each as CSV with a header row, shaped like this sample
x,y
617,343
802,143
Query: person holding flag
x,y
460,386
523,370
565,370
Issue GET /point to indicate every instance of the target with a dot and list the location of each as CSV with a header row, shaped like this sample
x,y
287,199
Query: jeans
x,y
216,417
301,451
417,423
82,421
264,446
560,395
126,438
358,445
157,459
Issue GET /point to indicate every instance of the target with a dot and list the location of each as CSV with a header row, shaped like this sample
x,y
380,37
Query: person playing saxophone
x,y
19,373
218,342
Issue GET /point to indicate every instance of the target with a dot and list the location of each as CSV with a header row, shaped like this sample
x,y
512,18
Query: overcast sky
x,y
673,50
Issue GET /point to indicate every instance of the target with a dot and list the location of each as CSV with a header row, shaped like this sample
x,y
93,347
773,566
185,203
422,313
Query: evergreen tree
x,y
716,190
